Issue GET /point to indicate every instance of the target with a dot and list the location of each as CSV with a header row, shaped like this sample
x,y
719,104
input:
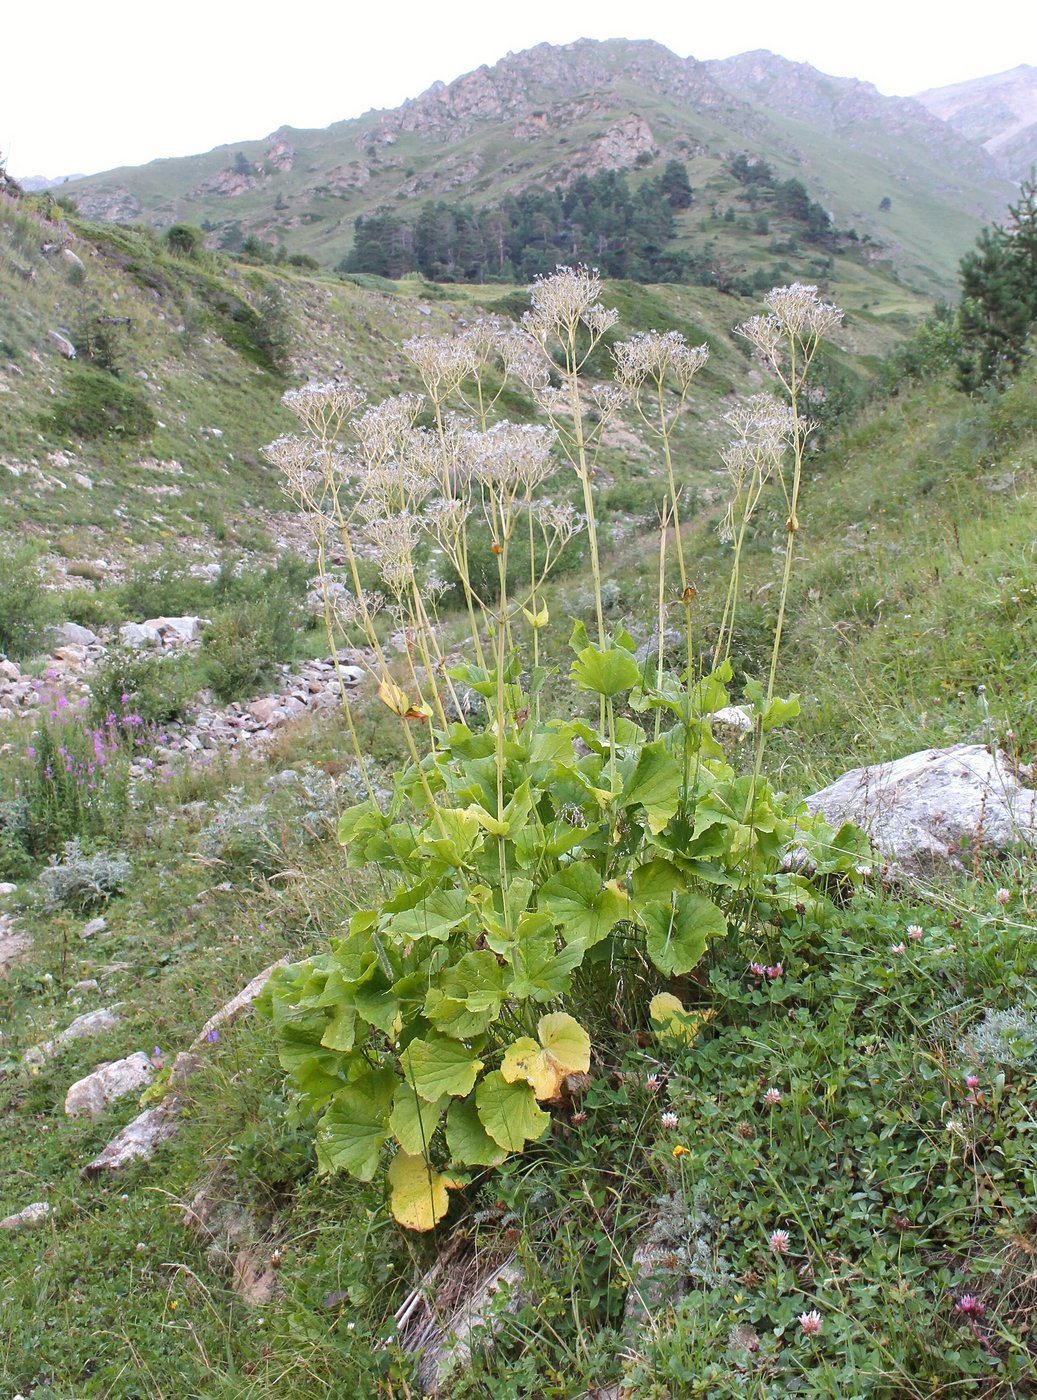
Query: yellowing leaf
x,y
537,619
390,694
673,1023
565,1049
567,1041
419,1194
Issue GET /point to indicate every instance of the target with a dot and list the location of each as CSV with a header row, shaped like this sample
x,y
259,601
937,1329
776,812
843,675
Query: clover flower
x,y
898,948
1003,897
915,932
779,1242
810,1323
669,1121
772,1098
970,1306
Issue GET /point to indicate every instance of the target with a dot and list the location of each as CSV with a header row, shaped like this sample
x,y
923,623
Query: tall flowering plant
x,y
523,855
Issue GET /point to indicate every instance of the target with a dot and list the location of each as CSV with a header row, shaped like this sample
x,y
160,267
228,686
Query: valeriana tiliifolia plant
x,y
527,855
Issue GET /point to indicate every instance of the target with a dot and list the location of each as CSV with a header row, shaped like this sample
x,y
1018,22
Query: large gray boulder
x,y
89,1097
934,807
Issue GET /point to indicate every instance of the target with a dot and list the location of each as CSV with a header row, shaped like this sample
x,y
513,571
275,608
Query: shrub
x,y
15,857
82,882
251,636
95,404
239,836
158,688
165,588
26,608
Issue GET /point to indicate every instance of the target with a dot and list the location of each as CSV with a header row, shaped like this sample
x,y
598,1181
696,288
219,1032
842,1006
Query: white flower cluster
x,y
653,355
566,299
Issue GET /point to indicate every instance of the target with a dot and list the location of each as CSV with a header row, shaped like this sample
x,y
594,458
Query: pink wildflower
x,y
669,1121
970,1306
810,1323
1003,897
772,1098
779,1242
915,932
898,948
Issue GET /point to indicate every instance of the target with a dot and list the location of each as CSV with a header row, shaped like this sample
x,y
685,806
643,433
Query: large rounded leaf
x,y
413,1120
564,1049
419,1194
355,1125
470,1144
509,1112
679,930
438,1066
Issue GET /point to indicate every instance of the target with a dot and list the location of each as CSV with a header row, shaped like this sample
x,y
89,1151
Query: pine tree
x,y
999,295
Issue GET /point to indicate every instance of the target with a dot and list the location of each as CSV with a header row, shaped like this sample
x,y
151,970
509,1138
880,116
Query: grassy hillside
x,y
905,1189
542,116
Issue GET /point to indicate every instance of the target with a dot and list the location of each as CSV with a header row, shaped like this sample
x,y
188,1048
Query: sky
x,y
87,87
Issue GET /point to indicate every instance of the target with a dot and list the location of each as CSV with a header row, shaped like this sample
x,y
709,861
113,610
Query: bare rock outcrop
x,y
933,807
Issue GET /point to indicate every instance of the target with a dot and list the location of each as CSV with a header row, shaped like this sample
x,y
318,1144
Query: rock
x,y
268,710
88,984
70,633
90,1096
73,656
931,807
177,631
734,717
90,1023
6,887
138,1139
64,345
236,1005
139,634
94,927
32,1215
73,259
446,1345
351,676
9,670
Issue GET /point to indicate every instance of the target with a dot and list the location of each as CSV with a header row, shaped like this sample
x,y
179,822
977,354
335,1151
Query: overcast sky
x,y
88,86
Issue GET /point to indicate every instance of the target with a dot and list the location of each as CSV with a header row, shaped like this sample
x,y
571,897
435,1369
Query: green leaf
x,y
656,879
436,916
438,1066
539,970
355,1125
655,785
341,1030
579,638
779,711
584,909
605,673
678,932
469,996
470,1144
412,1120
509,1112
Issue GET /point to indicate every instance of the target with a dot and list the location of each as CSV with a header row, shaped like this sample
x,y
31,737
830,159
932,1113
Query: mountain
x,y
998,112
543,116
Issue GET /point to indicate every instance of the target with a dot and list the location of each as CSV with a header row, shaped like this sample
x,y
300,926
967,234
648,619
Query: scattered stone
x,y
734,717
88,984
94,927
140,1138
236,1005
32,1215
64,345
931,808
267,711
6,887
90,1023
70,633
89,1097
